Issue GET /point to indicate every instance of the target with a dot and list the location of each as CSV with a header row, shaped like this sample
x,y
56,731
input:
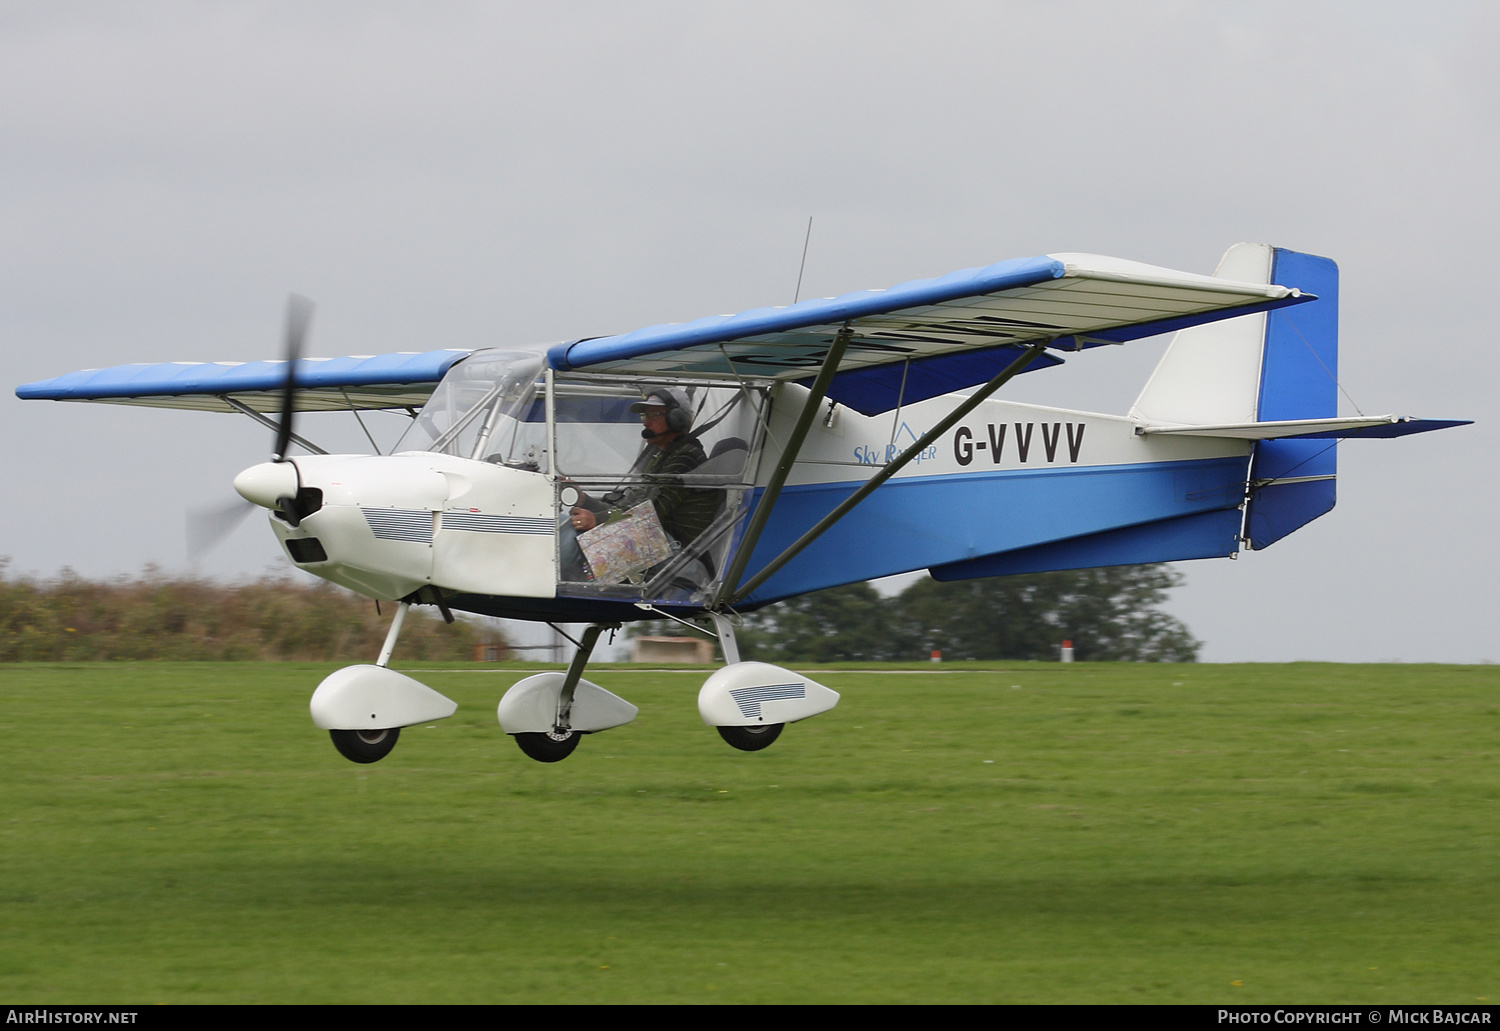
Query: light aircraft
x,y
702,470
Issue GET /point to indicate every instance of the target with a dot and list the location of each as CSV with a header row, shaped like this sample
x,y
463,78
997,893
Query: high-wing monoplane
x,y
702,470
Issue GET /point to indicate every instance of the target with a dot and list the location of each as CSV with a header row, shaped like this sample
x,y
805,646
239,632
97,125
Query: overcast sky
x,y
480,174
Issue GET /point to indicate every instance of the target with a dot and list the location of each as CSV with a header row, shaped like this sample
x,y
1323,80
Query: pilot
x,y
685,512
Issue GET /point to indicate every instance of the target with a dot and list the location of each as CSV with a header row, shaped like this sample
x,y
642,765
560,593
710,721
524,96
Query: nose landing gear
x,y
550,747
547,713
363,708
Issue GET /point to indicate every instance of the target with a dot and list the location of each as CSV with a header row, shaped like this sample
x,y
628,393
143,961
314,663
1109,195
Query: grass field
x,y
180,833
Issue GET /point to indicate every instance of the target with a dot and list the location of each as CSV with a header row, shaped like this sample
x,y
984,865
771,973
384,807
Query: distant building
x,y
671,649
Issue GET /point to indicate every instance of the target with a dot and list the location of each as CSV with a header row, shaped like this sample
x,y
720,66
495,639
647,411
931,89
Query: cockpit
x,y
658,515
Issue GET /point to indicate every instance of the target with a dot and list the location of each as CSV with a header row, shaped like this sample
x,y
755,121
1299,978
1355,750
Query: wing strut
x,y
266,421
783,467
875,481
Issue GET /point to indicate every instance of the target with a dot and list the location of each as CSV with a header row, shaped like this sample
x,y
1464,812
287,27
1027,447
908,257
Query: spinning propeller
x,y
271,485
298,316
207,527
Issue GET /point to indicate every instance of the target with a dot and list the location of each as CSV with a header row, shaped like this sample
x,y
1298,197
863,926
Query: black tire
x,y
365,746
751,739
548,748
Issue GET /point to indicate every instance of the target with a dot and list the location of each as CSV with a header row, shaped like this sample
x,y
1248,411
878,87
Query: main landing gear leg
x,y
725,629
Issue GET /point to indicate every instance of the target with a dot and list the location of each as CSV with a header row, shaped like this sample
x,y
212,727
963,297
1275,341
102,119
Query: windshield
x,y
487,407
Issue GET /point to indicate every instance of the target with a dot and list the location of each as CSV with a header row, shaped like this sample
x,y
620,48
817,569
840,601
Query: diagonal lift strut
x,y
891,468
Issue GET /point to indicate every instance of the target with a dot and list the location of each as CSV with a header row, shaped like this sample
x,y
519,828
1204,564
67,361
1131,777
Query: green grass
x,y
180,833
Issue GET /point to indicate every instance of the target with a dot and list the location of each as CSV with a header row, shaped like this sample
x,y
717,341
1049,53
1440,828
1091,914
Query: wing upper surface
x,y
956,330
910,342
400,380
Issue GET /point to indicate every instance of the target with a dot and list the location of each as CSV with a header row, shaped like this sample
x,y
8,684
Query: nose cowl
x,y
267,483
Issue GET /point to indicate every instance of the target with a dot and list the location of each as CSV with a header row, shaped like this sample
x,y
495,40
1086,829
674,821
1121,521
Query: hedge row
x,y
158,617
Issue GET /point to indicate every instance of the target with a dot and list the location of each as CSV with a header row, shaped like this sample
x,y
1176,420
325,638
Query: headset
x,y
679,420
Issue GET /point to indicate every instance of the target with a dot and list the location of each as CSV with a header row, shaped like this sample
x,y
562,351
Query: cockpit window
x,y
487,407
653,477
647,506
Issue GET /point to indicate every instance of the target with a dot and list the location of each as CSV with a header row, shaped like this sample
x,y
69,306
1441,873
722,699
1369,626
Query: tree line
x,y
152,616
1109,614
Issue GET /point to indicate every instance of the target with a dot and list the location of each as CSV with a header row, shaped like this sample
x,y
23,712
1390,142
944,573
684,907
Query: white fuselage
x,y
390,525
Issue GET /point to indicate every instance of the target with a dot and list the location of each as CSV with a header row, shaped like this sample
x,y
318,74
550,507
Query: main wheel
x,y
550,747
365,746
751,739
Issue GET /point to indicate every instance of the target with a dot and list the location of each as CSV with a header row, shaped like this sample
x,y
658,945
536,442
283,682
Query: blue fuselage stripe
x,y
922,521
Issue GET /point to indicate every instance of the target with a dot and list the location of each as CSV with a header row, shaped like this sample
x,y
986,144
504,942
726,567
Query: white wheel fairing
x,y
373,698
530,706
753,694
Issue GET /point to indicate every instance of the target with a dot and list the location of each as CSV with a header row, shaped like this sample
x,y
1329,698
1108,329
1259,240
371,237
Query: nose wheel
x,y
365,746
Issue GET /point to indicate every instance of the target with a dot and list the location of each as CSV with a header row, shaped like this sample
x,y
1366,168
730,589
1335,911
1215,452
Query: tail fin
x,y
1259,368
1292,481
1211,373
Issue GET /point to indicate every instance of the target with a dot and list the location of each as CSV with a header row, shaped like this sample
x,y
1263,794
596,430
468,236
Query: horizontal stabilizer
x,y
1310,429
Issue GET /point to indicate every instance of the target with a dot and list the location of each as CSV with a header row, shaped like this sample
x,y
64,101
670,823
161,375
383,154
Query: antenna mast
x,y
802,266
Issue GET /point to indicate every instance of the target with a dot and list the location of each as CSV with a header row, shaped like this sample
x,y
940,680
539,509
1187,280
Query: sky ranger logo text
x,y
904,438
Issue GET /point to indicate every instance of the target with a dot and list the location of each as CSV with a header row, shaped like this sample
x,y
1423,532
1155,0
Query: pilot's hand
x,y
582,519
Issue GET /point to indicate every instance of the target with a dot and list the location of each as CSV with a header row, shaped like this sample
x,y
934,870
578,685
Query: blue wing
x,y
931,337
400,380
918,340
